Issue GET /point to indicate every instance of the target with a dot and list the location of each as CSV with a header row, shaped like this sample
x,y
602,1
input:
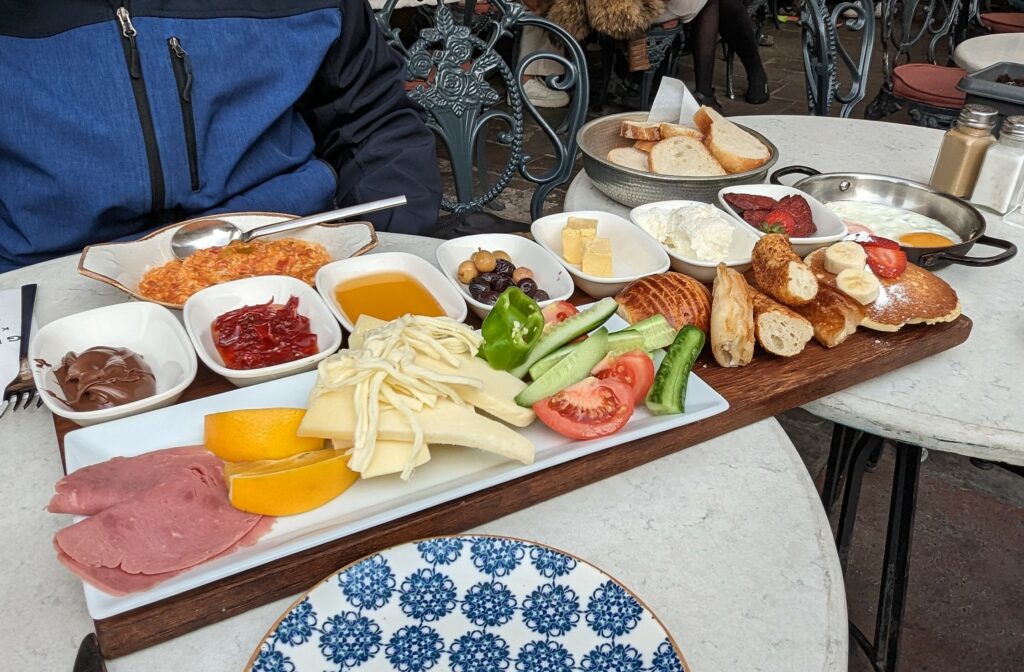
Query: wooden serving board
x,y
767,386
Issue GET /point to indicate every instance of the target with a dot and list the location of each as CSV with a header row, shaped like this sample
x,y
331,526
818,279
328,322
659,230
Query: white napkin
x,y
673,103
10,334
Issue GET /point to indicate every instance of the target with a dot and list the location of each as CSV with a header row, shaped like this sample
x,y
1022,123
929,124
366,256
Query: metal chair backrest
x,y
906,22
824,52
454,68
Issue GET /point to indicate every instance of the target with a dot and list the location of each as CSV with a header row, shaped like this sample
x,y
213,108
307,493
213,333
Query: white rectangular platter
x,y
452,472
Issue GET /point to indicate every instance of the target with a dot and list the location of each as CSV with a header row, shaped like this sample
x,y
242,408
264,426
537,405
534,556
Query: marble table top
x,y
967,400
980,52
726,541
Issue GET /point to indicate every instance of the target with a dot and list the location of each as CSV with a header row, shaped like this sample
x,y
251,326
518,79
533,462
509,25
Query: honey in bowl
x,y
385,296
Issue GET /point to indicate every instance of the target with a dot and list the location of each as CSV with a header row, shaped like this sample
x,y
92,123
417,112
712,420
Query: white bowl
x,y
549,274
634,253
149,330
328,277
831,229
206,305
743,240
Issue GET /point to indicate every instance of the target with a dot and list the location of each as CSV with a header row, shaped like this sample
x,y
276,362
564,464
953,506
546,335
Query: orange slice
x,y
257,434
293,485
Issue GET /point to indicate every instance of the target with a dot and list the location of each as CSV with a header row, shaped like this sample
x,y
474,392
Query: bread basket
x,y
633,187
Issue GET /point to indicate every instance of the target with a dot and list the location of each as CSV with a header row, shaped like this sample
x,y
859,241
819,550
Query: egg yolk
x,y
925,239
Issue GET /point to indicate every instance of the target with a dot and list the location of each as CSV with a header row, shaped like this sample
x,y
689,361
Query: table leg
x,y
838,456
865,446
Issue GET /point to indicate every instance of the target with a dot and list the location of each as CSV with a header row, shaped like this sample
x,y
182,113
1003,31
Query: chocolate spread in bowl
x,y
103,377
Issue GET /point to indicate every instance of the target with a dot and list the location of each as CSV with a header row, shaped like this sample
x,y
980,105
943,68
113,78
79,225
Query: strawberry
x,y
868,240
886,262
779,221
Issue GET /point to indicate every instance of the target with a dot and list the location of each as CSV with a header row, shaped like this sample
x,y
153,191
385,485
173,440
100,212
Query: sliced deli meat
x,y
173,525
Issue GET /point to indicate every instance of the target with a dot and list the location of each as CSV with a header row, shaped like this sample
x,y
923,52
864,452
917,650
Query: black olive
x,y
504,267
489,298
477,286
528,285
489,277
539,295
501,284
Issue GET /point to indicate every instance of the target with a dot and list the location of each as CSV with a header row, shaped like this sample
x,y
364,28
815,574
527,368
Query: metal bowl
x,y
959,215
635,187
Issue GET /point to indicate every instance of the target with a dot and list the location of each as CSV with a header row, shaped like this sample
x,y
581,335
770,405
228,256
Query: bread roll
x,y
833,315
630,158
777,328
780,273
684,156
680,298
737,150
732,319
640,130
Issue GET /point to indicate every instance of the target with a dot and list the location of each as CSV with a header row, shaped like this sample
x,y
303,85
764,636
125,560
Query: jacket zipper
x,y
131,55
182,67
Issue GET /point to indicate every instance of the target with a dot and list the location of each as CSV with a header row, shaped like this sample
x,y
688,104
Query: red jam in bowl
x,y
252,337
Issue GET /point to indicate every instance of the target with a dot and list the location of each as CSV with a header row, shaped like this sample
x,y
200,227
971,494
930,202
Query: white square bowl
x,y
206,305
831,229
328,277
147,329
634,253
550,275
743,240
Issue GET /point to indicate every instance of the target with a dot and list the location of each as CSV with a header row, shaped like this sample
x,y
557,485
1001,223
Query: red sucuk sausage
x,y
746,202
801,211
755,217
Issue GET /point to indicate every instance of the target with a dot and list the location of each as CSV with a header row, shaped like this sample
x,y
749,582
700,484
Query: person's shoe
x,y
757,87
541,96
709,100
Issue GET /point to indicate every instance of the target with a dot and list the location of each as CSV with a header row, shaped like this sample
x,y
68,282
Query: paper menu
x,y
10,335
673,103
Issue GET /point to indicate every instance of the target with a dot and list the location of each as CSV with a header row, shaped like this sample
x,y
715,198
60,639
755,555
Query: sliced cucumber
x,y
571,370
668,393
656,330
618,343
563,332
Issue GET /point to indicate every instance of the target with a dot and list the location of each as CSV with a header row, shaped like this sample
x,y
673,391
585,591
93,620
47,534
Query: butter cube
x,y
576,232
597,257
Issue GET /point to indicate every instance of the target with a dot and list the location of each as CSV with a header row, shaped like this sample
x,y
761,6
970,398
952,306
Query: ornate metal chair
x,y
927,90
823,53
664,44
466,87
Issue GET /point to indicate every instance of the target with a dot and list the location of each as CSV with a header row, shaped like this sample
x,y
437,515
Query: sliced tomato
x,y
559,311
635,368
588,409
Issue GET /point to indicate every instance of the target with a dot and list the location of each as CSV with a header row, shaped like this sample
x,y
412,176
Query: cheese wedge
x,y
575,234
333,416
388,458
597,257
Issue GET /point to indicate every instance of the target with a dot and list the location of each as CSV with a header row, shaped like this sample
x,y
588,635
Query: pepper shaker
x,y
962,150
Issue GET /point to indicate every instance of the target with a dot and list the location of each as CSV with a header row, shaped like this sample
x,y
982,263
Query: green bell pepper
x,y
512,328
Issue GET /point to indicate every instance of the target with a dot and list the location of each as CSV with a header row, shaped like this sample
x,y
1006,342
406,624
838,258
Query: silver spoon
x,y
206,233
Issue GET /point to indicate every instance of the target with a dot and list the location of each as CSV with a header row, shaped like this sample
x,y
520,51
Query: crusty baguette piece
x,y
640,130
732,319
683,155
833,315
630,158
645,145
678,130
737,150
779,329
680,298
780,273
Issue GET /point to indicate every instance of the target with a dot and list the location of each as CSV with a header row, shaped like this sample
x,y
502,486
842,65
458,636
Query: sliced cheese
x,y
575,234
597,257
388,458
332,416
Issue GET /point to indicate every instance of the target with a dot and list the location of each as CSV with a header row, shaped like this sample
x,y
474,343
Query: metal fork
x,y
21,392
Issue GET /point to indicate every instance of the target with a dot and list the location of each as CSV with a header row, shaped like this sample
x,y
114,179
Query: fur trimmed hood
x,y
620,19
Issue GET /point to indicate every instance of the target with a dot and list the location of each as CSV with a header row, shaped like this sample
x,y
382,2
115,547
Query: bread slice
x,y
679,298
737,150
916,296
780,273
645,145
678,130
732,319
630,158
778,329
684,156
640,130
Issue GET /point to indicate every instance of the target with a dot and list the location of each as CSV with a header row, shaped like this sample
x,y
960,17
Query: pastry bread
x,y
680,298
640,130
684,156
780,273
779,329
737,150
630,158
732,319
833,315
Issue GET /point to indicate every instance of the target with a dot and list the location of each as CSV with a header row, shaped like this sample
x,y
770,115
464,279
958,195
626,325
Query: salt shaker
x,y
1002,173
962,150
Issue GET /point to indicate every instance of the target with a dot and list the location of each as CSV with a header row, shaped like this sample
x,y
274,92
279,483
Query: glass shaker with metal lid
x,y
962,150
1001,178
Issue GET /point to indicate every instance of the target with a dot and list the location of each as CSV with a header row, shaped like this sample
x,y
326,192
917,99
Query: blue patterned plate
x,y
469,604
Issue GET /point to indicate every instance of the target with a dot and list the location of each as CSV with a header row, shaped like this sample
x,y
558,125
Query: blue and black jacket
x,y
120,116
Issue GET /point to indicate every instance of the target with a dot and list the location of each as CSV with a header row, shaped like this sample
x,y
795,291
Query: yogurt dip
x,y
700,232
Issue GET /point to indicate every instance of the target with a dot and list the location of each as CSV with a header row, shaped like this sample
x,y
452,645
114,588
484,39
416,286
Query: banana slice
x,y
859,285
845,255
